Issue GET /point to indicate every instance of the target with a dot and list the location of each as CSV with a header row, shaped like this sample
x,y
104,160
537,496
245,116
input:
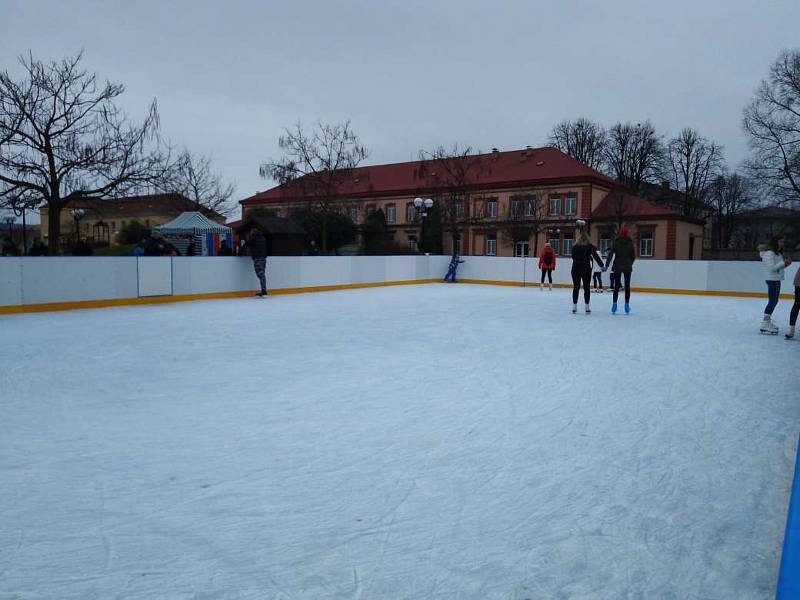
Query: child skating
x,y
451,270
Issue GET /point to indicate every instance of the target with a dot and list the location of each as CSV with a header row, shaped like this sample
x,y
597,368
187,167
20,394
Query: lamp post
x,y
421,208
10,222
77,214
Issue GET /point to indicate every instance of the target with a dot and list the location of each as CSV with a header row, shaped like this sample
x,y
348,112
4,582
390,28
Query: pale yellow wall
x,y
682,233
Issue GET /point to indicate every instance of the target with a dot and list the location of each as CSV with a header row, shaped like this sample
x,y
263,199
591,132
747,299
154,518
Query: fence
x,y
29,284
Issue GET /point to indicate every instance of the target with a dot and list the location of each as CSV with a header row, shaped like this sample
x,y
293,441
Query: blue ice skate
x,y
627,308
614,308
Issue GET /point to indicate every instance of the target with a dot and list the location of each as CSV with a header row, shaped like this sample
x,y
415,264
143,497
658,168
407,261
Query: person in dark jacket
x,y
258,252
224,249
9,248
583,253
451,270
155,245
621,259
38,248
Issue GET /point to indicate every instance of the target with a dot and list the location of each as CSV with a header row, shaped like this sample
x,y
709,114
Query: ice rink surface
x,y
427,441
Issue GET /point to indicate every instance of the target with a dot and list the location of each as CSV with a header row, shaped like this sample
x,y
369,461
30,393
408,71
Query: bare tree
x,y
62,137
772,120
451,175
583,140
526,218
633,154
193,177
731,195
317,166
693,162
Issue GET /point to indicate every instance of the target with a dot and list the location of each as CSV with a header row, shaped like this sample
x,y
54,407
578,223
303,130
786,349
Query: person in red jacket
x,y
547,263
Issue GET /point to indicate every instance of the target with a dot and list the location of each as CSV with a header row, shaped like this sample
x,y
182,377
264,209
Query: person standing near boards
x,y
774,267
795,307
547,263
583,253
258,252
623,256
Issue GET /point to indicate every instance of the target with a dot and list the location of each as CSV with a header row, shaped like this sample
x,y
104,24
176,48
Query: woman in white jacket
x,y
774,266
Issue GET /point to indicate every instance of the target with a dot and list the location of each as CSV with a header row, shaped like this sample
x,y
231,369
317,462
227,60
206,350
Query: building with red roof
x,y
500,203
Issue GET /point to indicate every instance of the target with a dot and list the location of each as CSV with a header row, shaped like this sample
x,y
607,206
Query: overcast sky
x,y
229,75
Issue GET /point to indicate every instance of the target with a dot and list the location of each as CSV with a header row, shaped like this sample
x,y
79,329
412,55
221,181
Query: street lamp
x,y
77,214
10,222
422,205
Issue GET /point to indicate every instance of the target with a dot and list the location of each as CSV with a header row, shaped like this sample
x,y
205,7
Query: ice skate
x,y
587,310
627,308
790,333
541,287
613,308
550,286
768,327
574,308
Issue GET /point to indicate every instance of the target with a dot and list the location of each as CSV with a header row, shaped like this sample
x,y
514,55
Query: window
x,y
491,244
458,208
411,212
516,207
568,239
646,243
530,207
521,249
354,214
457,245
412,241
555,205
555,242
571,204
605,244
491,209
390,213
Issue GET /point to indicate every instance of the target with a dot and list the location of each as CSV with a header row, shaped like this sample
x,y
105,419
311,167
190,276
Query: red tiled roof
x,y
634,207
168,205
513,168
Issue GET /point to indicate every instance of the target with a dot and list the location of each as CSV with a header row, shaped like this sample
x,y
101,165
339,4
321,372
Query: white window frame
x,y
555,244
391,214
568,242
354,214
571,204
530,204
412,242
458,208
649,241
491,245
555,202
516,207
491,209
517,249
411,212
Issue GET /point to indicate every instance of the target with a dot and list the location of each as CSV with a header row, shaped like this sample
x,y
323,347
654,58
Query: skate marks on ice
x,y
491,447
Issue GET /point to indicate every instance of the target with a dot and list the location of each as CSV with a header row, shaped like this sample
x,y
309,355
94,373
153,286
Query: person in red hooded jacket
x,y
547,263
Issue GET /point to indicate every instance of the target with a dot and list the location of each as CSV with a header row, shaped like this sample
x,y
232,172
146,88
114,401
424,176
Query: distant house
x,y
104,219
756,226
665,195
500,203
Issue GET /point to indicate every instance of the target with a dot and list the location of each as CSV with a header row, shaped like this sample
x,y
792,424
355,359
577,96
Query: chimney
x,y
495,153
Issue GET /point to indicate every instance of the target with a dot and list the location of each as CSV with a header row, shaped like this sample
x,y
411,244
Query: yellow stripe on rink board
x,y
111,302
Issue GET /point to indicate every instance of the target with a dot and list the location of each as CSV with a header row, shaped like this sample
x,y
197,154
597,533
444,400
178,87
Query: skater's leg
x,y
795,307
627,277
260,267
576,285
773,293
615,277
550,276
544,273
586,286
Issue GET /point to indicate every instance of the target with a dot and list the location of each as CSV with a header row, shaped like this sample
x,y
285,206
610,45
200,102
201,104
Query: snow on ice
x,y
416,442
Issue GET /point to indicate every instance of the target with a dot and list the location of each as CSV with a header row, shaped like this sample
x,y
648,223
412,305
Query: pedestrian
x,y
774,267
795,307
597,275
154,245
258,252
224,249
547,263
38,248
583,253
623,256
138,249
9,248
451,270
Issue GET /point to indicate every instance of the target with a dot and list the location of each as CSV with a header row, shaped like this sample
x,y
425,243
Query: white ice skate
x,y
768,327
550,286
587,310
574,308
790,333
541,287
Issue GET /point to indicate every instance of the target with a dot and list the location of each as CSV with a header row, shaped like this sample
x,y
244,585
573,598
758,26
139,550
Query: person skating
x,y
583,253
623,256
795,307
258,252
774,267
451,270
547,263
597,275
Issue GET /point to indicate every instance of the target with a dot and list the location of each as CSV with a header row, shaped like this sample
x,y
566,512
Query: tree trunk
x,y
54,228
